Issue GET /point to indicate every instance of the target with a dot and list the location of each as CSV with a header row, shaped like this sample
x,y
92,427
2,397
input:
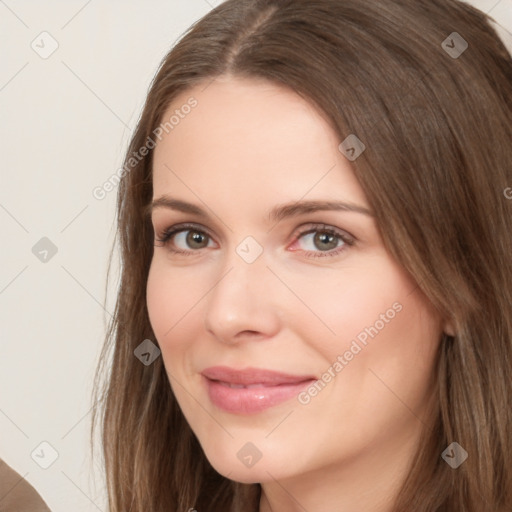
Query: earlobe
x,y
448,328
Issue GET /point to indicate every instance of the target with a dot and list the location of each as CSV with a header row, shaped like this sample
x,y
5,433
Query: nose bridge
x,y
241,298
244,268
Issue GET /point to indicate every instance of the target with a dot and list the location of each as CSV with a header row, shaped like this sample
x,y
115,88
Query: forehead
x,y
250,137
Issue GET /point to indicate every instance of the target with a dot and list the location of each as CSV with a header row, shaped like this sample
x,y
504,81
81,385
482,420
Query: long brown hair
x,y
436,119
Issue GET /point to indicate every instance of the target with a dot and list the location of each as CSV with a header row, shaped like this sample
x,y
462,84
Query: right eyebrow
x,y
174,204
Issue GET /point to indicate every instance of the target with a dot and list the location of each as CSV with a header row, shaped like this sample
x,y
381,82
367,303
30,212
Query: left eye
x,y
321,241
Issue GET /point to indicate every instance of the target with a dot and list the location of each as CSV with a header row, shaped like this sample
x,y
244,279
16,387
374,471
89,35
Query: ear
x,y
448,328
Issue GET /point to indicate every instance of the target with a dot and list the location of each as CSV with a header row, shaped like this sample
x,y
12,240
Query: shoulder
x,y
16,494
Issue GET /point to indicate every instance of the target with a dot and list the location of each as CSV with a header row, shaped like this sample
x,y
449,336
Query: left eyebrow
x,y
302,207
277,214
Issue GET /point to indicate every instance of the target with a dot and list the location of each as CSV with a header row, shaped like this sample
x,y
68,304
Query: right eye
x,y
185,238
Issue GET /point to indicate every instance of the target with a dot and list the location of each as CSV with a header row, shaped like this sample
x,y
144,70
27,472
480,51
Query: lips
x,y
252,377
251,390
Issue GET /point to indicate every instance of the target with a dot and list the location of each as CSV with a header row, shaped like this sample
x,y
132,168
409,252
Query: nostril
x,y
249,334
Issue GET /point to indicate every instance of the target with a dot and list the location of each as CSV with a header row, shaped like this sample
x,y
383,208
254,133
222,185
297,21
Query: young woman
x,y
315,309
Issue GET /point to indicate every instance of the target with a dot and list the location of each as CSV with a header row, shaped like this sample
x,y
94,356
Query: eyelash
x,y
348,240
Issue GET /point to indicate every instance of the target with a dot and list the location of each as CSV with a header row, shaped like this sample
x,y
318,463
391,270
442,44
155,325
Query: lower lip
x,y
253,400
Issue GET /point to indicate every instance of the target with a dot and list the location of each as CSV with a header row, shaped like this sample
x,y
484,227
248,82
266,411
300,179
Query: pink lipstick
x,y
251,390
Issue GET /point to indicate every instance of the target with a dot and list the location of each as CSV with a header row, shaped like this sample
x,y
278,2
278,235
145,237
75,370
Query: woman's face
x,y
280,268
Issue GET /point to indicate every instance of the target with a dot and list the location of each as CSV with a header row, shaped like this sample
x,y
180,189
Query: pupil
x,y
325,239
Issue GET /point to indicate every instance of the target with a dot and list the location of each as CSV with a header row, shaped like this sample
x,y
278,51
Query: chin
x,y
253,475
239,469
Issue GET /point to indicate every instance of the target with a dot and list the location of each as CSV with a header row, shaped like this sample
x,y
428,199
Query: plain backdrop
x,y
65,120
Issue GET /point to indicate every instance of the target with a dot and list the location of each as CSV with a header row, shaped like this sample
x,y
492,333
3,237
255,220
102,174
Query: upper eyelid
x,y
322,226
180,227
297,232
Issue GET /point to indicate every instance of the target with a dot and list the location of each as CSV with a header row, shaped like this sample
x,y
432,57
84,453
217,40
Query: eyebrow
x,y
277,214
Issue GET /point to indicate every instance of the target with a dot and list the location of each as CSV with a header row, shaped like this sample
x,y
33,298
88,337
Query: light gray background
x,y
65,124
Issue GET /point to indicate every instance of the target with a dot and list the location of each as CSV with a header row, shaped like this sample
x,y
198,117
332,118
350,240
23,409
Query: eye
x,y
185,238
322,240
315,240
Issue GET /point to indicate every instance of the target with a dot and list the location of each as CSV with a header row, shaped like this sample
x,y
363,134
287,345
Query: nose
x,y
243,303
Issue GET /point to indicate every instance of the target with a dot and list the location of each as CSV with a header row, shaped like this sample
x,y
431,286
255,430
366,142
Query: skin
x,y
246,148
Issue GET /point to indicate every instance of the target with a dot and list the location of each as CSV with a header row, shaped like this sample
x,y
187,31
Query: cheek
x,y
158,301
171,296
375,318
388,354
377,369
343,304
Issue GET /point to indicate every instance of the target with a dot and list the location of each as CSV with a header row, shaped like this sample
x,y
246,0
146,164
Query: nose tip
x,y
241,306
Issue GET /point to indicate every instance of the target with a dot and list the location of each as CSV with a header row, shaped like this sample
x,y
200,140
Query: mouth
x,y
251,390
249,386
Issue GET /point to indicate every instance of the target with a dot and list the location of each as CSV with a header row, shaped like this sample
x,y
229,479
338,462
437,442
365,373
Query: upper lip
x,y
248,376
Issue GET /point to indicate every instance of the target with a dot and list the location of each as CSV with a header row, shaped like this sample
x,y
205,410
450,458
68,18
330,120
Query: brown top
x,y
16,494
